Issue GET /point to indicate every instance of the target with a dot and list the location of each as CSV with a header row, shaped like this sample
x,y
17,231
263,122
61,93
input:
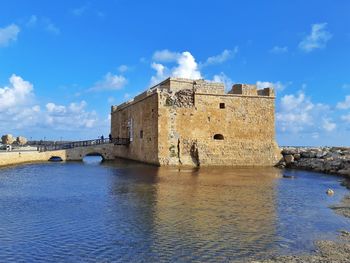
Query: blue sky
x,y
63,63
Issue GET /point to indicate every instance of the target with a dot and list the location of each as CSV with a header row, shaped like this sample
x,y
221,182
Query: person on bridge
x,y
110,137
102,138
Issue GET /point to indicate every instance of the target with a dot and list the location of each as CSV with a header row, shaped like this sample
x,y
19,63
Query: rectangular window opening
x,y
222,105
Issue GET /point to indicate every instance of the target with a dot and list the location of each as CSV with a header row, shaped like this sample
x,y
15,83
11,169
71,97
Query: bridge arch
x,y
55,158
94,153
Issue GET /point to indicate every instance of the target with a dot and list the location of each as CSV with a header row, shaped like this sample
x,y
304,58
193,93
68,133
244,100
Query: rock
x,y
335,160
344,172
315,164
288,176
7,139
344,233
21,140
321,154
281,164
289,150
330,192
183,98
288,158
296,156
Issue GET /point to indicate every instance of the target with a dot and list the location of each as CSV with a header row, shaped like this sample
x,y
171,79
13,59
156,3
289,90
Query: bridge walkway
x,y
87,143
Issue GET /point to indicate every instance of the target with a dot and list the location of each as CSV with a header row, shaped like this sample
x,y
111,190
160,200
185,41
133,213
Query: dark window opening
x,y
218,137
222,105
141,134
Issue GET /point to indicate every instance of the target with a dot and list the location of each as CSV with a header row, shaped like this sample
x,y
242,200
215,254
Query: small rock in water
x,y
344,233
330,192
288,176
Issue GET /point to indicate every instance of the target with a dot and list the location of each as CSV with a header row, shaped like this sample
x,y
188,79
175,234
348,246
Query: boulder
x,y
321,154
296,156
344,172
289,150
7,139
288,158
21,140
330,192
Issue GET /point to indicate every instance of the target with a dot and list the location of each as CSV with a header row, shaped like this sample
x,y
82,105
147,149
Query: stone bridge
x,y
72,151
76,151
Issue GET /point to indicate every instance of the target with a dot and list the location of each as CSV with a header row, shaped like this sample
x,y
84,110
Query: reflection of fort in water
x,y
190,208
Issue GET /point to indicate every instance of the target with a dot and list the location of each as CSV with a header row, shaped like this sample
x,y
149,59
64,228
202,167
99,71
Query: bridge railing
x,y
70,145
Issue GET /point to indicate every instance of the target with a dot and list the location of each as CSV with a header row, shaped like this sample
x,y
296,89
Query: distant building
x,y
194,122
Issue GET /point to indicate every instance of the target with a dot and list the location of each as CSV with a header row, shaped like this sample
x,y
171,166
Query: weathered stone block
x,y
289,159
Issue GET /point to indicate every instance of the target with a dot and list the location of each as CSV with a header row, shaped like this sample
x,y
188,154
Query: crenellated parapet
x,y
251,90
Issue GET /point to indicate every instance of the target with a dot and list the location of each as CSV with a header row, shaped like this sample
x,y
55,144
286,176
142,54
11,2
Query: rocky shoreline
x,y
330,160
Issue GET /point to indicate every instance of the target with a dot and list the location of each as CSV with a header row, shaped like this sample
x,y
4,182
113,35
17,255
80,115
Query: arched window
x,y
218,137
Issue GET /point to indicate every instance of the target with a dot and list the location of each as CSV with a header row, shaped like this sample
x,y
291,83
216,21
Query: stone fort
x,y
195,122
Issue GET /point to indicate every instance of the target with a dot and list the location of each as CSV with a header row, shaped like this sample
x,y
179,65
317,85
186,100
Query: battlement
x,y
251,90
199,85
174,85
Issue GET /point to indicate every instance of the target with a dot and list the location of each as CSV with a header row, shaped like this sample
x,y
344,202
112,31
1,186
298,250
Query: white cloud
x,y
222,57
20,112
328,125
110,82
317,39
161,73
165,55
73,116
278,86
187,67
123,68
346,118
79,11
17,94
52,108
279,50
17,108
296,113
8,34
223,78
344,105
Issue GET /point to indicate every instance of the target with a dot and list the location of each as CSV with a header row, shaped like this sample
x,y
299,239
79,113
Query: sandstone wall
x,y
193,122
12,158
186,135
78,153
74,154
144,114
